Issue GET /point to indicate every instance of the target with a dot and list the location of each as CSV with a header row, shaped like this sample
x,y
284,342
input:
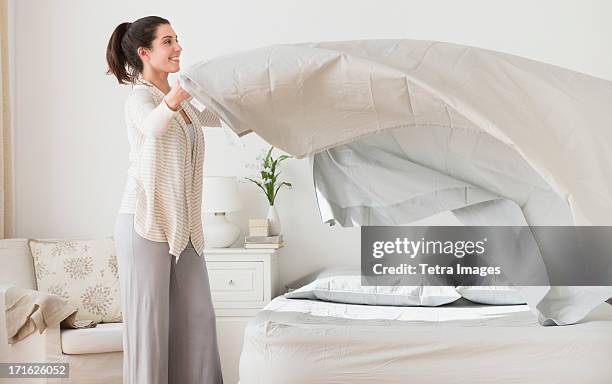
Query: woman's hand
x,y
176,96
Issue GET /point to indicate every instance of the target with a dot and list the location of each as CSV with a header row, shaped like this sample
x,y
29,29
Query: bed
x,y
295,341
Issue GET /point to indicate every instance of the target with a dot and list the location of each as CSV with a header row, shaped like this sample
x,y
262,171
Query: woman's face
x,y
165,51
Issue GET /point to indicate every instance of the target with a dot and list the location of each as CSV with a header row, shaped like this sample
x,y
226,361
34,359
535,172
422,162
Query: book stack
x,y
259,236
259,227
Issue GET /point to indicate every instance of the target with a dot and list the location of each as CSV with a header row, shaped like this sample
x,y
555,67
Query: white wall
x,y
70,142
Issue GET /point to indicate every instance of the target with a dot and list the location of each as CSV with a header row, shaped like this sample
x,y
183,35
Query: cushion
x,y
344,286
493,295
101,339
82,271
16,265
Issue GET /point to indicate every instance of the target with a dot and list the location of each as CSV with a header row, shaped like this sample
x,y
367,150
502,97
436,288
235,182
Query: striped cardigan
x,y
164,186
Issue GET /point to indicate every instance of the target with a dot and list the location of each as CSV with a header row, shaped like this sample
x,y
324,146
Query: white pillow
x,y
344,286
493,295
84,272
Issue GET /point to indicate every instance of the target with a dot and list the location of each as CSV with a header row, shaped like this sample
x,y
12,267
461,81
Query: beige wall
x,y
70,142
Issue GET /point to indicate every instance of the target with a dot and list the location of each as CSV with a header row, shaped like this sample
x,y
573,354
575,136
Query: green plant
x,y
269,172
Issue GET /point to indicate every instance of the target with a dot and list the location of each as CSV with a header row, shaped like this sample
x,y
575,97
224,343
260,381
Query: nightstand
x,y
242,281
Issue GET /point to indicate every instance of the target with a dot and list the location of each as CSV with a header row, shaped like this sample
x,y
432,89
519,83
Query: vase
x,y
221,233
273,219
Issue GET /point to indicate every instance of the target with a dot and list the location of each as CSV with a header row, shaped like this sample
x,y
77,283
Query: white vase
x,y
221,233
275,225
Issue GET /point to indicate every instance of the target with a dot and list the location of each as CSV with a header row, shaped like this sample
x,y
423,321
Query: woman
x,y
168,317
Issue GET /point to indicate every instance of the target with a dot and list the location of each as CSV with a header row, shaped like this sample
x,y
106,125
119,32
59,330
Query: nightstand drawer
x,y
236,280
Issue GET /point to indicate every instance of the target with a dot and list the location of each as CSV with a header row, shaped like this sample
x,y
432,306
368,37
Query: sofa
x,y
94,355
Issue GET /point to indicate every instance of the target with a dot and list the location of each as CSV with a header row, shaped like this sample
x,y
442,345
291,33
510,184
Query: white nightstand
x,y
242,281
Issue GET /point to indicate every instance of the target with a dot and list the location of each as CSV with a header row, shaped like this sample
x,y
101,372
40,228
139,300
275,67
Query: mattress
x,y
305,341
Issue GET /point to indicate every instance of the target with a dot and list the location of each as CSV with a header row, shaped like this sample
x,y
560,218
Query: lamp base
x,y
220,233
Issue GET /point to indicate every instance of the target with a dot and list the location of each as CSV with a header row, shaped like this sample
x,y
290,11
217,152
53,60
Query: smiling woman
x,y
169,333
128,43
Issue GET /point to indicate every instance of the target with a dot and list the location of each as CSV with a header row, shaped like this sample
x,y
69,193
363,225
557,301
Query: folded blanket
x,y
28,310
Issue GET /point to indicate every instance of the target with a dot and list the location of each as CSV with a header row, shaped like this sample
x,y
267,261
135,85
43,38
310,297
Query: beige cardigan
x,y
164,186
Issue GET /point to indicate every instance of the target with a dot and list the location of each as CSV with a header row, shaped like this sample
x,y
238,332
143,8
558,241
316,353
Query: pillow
x,y
82,271
493,295
491,289
344,286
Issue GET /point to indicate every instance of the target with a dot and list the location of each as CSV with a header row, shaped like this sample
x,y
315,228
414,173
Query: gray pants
x,y
169,329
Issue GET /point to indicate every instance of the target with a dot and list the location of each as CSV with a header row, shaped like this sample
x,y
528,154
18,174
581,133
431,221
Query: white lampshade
x,y
220,194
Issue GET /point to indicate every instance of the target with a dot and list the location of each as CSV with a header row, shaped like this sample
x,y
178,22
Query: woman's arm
x,y
152,120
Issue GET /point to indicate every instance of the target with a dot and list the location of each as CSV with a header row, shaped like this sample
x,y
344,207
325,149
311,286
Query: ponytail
x,y
115,57
122,50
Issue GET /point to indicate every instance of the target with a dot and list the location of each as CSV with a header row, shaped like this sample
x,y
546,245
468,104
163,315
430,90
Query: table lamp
x,y
220,196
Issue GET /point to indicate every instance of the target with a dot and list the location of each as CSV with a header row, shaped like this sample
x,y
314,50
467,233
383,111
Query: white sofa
x,y
94,355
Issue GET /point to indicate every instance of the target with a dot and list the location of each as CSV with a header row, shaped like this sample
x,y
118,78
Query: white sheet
x,y
305,98
303,341
467,125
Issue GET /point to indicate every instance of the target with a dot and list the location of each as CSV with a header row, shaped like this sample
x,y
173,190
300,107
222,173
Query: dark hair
x,y
122,51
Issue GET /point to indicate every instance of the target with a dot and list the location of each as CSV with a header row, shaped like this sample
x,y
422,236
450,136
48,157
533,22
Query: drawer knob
x,y
230,281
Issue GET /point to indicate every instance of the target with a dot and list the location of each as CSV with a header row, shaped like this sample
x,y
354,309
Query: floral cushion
x,y
82,271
